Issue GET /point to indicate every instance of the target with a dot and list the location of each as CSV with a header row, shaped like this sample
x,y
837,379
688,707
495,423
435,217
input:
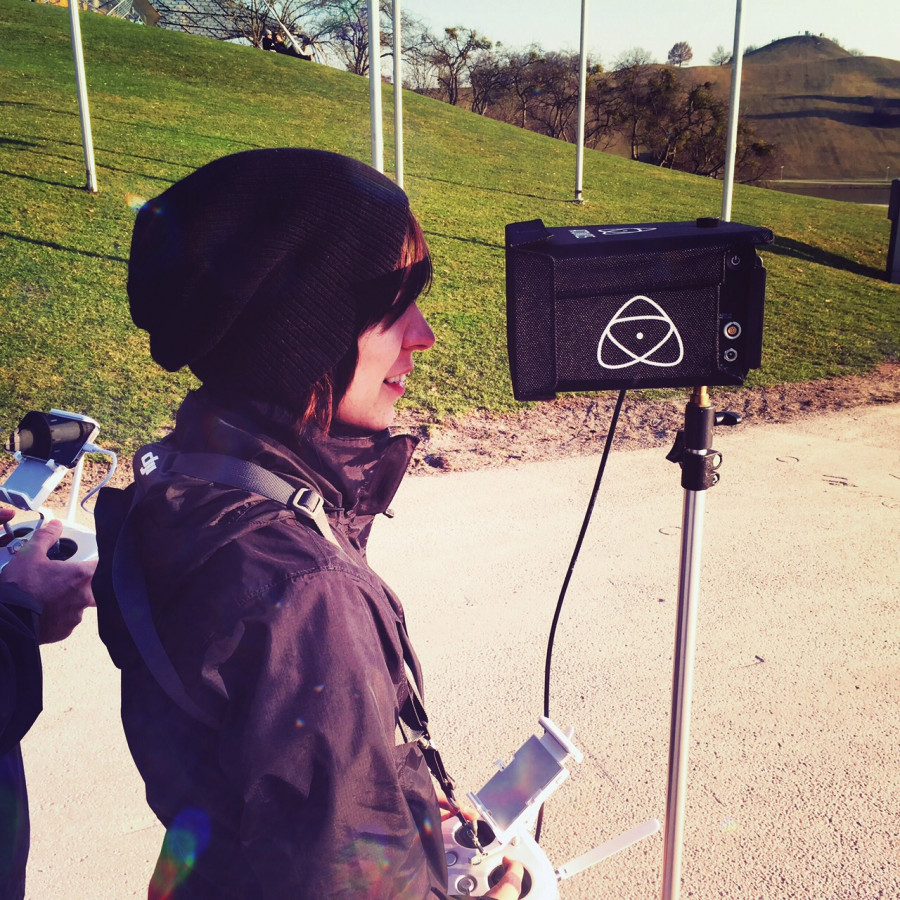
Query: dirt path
x,y
576,426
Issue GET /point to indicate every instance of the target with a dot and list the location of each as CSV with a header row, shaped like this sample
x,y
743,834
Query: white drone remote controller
x,y
47,446
77,542
508,807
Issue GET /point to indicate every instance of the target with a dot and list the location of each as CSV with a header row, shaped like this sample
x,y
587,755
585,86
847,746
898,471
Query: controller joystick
x,y
471,873
77,543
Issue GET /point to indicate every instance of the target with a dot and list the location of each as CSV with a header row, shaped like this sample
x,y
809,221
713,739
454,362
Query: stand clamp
x,y
692,450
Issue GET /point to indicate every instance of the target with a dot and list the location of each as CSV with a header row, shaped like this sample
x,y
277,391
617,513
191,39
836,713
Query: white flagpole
x,y
733,112
398,97
375,84
83,111
579,141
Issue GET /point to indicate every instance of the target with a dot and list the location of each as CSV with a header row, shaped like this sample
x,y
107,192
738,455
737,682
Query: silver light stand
x,y
699,462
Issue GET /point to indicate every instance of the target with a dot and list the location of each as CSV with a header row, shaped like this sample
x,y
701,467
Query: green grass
x,y
164,103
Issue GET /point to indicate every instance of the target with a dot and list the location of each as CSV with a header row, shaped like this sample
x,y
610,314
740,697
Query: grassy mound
x,y
164,103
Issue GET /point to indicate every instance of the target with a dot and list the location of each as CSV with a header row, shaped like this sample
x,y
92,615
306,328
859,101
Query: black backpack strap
x,y
414,720
124,617
130,588
247,476
127,577
414,725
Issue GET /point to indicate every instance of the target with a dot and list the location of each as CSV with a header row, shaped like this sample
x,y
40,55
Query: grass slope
x,y
164,103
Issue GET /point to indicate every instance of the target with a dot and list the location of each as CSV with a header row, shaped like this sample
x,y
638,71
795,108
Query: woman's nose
x,y
419,335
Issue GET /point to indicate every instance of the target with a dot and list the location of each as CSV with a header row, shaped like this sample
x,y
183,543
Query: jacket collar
x,y
356,474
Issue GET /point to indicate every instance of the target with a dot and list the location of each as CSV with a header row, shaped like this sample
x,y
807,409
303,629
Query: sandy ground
x,y
794,775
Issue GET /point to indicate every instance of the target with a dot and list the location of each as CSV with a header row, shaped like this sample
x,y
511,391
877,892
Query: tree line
x,y
658,113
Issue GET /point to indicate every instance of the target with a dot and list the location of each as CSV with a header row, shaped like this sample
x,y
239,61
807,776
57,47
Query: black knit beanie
x,y
258,269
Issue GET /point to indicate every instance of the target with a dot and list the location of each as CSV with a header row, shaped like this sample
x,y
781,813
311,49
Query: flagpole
x,y
375,84
398,97
83,110
582,82
733,114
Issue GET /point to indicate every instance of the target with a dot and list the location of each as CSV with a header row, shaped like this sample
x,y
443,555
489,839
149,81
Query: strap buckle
x,y
306,501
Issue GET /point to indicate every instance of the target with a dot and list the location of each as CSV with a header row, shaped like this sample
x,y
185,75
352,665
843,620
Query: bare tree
x,y
629,81
488,80
680,54
248,19
720,57
684,126
450,56
663,120
298,17
521,76
344,30
556,99
419,71
635,57
603,119
755,160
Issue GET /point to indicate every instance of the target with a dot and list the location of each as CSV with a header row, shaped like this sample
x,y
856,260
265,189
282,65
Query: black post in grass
x,y
893,259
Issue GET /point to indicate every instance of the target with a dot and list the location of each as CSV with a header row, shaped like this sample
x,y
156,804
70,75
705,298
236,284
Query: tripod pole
x,y
698,463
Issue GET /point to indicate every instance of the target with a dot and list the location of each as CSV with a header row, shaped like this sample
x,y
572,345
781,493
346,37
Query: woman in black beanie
x,y
269,694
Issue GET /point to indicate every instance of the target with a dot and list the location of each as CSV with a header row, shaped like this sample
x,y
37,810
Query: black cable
x,y
562,594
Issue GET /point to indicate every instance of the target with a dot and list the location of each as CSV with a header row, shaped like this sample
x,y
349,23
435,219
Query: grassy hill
x,y
163,103
832,115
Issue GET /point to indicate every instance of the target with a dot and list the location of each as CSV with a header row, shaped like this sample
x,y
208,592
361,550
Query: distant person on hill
x,y
307,50
276,713
282,47
268,42
289,49
41,601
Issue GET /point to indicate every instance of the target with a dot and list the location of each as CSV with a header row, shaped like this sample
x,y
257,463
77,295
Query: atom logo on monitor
x,y
626,229
581,233
640,332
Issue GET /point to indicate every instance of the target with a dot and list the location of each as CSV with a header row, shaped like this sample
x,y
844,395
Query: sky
x,y
617,26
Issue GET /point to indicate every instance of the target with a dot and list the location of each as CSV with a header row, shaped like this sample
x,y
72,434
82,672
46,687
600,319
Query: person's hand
x,y
61,587
448,809
509,887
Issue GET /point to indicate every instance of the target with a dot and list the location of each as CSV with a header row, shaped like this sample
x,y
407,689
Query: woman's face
x,y
385,359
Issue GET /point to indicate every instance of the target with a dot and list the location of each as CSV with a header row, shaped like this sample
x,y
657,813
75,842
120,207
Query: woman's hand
x,y
510,885
449,810
63,589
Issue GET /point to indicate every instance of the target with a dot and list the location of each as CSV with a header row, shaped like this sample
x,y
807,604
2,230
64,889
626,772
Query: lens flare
x,y
364,869
186,839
